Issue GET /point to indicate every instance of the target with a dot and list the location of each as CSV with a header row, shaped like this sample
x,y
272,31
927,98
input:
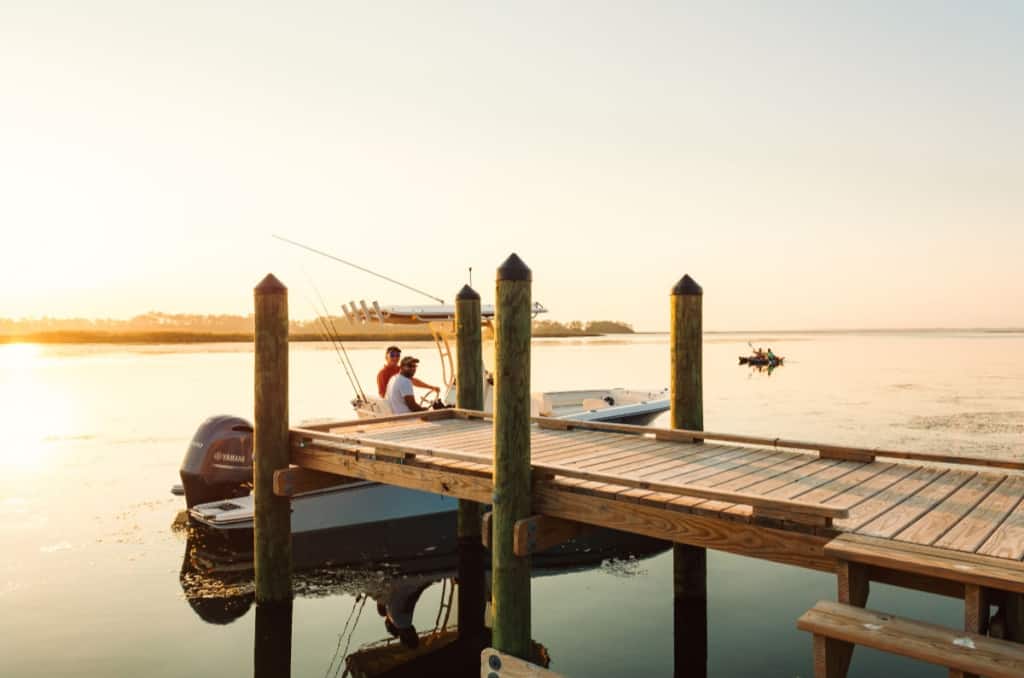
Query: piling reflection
x,y
272,641
217,580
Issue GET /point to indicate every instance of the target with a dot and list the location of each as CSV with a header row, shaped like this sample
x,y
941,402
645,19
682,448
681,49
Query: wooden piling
x,y
272,531
510,574
1013,610
689,563
469,395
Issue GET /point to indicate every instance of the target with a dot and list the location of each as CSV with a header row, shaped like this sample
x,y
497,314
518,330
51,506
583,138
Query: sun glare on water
x,y
32,411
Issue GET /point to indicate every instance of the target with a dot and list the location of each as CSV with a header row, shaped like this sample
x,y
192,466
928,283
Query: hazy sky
x,y
811,165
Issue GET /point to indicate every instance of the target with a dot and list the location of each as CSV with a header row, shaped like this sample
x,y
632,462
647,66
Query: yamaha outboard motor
x,y
218,463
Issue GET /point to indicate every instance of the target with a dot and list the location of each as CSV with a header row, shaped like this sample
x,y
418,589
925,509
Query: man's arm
x,y
410,402
423,384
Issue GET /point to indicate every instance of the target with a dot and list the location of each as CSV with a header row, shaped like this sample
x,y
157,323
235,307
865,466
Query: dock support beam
x,y
469,394
510,574
689,563
272,527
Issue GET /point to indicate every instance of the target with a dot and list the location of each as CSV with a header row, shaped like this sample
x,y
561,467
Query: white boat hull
x,y
344,506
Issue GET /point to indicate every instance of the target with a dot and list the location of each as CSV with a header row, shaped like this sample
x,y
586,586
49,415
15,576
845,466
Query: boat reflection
x,y
387,571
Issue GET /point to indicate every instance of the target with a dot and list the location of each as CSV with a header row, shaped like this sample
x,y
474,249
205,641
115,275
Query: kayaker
x,y
771,356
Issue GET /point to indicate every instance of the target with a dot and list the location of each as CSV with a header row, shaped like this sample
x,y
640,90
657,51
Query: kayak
x,y
754,360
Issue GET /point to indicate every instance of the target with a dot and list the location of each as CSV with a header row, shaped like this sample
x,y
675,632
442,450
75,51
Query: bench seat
x,y
836,624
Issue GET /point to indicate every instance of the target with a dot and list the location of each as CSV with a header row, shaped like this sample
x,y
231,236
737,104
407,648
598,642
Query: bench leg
x,y
827,658
853,590
976,614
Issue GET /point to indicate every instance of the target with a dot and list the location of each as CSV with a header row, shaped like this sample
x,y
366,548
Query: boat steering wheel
x,y
428,399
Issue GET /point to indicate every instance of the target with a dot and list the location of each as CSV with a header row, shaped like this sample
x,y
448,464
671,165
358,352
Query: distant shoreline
x,y
172,337
177,337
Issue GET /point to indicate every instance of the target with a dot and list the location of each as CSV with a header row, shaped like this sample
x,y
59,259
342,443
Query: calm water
x,y
92,580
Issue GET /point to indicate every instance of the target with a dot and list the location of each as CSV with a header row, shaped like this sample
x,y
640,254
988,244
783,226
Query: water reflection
x,y
217,580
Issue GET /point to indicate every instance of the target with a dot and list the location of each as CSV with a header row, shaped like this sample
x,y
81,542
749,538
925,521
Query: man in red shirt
x,y
392,354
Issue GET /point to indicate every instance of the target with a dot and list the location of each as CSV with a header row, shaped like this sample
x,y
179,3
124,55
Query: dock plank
x,y
796,481
704,457
1007,541
854,494
975,528
931,526
898,517
747,481
890,497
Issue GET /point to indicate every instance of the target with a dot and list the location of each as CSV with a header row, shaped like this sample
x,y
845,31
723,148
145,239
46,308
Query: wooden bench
x,y
837,626
979,580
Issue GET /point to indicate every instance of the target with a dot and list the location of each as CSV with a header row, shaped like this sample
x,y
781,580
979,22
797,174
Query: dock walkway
x,y
726,492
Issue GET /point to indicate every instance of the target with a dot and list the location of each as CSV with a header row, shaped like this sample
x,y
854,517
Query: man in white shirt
x,y
400,393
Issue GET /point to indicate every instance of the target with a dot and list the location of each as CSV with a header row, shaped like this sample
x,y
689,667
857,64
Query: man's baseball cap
x,y
408,360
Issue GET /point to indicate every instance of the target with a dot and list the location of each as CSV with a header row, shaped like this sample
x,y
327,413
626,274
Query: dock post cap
x,y
513,268
270,285
467,293
687,286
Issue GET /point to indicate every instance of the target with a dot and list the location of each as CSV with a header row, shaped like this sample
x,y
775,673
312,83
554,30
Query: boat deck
x,y
780,500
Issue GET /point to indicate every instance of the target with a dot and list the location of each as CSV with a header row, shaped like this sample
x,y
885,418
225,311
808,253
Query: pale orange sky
x,y
810,167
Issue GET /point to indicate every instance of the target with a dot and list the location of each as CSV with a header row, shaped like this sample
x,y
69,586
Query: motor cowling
x,y
218,462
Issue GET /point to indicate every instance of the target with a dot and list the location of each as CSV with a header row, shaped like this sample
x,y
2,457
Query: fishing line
x,y
357,266
341,636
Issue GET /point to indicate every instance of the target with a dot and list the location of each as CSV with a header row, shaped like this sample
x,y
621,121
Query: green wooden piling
x,y
689,563
272,530
510,575
469,384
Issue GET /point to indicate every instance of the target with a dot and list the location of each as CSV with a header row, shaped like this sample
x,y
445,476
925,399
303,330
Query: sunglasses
x,y
394,354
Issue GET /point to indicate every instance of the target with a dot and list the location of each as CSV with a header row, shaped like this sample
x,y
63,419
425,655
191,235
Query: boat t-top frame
x,y
440,318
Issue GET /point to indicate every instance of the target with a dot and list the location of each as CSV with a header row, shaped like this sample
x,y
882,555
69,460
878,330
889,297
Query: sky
x,y
812,165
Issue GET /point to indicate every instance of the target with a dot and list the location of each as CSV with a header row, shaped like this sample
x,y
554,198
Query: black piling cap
x,y
687,286
513,268
270,285
467,293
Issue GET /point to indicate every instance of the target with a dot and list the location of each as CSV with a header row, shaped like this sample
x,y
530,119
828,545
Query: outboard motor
x,y
218,463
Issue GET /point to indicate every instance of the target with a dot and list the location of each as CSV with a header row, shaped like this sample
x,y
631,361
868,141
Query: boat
x,y
216,472
761,361
613,405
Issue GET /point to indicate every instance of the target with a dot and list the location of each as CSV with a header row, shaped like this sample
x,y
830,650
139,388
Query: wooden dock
x,y
947,525
944,524
726,492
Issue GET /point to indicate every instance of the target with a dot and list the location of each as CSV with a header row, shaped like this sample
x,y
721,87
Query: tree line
x,y
157,326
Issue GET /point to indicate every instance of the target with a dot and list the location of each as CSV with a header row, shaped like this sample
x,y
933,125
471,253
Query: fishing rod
x,y
325,334
358,386
357,266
